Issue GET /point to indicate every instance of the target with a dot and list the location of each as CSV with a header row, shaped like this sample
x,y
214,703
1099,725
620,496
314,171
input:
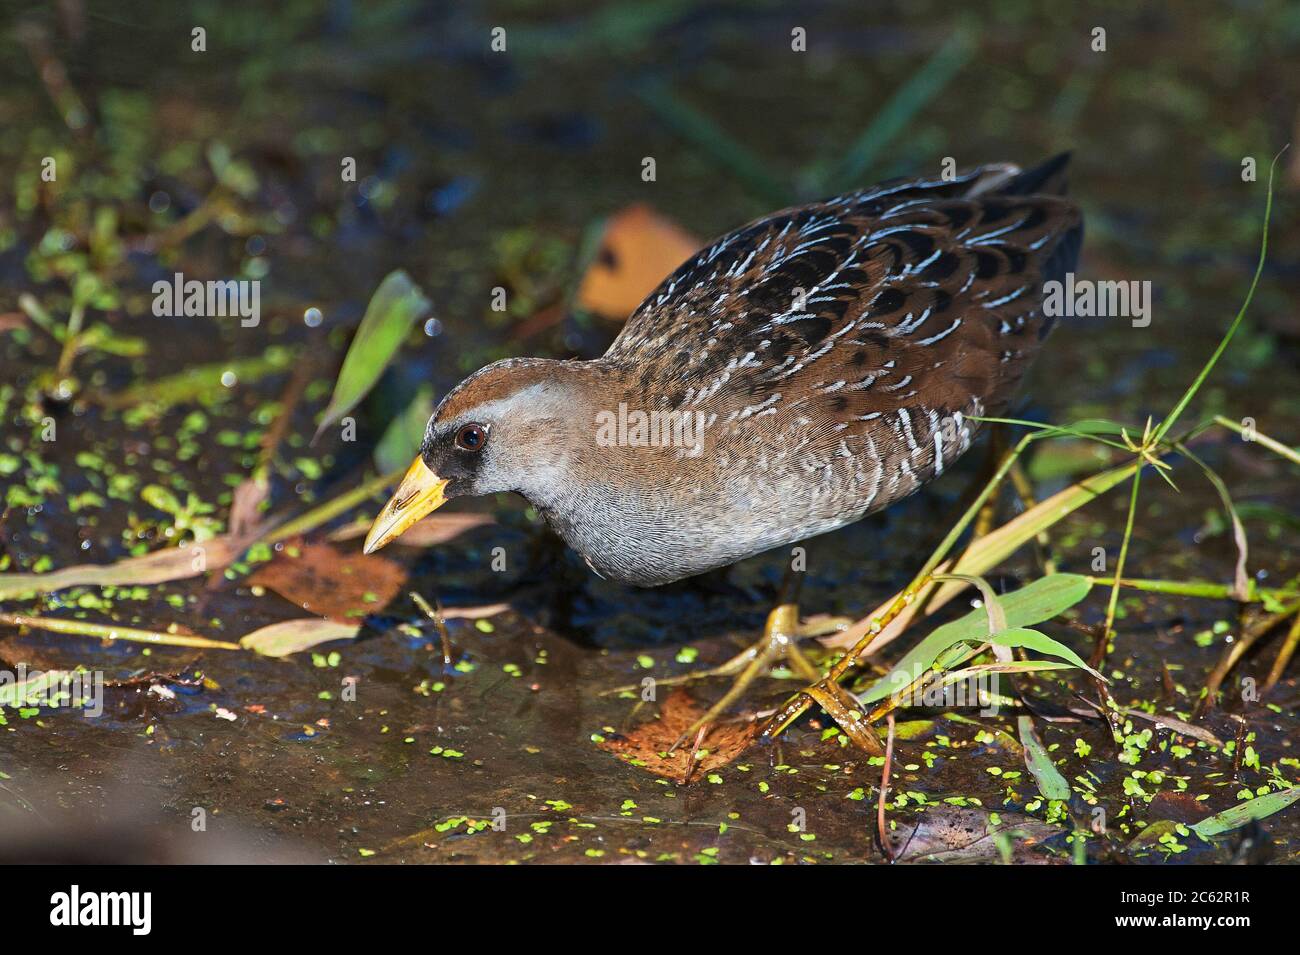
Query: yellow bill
x,y
419,494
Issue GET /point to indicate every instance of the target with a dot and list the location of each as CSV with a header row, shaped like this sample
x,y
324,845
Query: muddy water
x,y
479,171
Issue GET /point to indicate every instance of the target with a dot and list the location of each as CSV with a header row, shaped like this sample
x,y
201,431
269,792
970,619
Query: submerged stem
x,y
1108,630
83,628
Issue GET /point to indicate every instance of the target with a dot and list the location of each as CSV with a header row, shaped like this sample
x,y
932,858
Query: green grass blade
x,y
984,554
1088,429
1041,643
1112,605
202,380
404,435
1241,580
1277,447
393,310
1034,603
892,119
709,138
1039,763
111,631
1249,811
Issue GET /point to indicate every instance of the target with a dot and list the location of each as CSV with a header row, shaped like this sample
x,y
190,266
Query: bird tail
x,y
1048,178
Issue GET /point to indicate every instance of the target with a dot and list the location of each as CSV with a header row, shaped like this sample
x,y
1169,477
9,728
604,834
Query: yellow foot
x,y
841,705
817,626
780,642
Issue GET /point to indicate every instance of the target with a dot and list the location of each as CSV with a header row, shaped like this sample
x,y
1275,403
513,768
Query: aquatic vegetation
x,y
169,522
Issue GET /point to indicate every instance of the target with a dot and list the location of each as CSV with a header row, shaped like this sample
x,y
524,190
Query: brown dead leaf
x,y
638,251
329,582
473,613
649,743
174,563
437,529
245,506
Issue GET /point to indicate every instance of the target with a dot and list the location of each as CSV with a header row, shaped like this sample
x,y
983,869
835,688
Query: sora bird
x,y
813,366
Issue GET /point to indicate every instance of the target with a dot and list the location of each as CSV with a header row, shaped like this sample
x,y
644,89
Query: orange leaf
x,y
331,583
639,249
651,740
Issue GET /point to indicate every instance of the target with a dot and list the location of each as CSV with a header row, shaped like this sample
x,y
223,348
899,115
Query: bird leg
x,y
827,687
779,643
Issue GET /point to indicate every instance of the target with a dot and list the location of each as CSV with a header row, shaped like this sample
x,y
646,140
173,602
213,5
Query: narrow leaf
x,y
404,435
293,636
922,86
202,380
1241,579
393,310
1050,781
1042,643
1096,426
1258,808
984,554
177,563
35,690
1034,603
111,631
996,616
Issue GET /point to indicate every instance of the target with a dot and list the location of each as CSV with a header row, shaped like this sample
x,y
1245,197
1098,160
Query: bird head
x,y
507,427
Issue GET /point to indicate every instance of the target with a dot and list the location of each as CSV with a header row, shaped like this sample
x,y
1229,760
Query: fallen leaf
x,y
293,636
176,563
1165,721
649,743
436,529
638,250
329,582
245,506
473,613
1261,807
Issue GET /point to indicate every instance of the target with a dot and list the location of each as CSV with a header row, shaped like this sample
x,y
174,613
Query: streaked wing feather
x,y
860,325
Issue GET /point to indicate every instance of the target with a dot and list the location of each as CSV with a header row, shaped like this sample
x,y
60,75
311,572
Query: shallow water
x,y
481,171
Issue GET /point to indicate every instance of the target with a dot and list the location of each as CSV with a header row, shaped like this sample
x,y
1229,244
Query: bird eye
x,y
471,437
